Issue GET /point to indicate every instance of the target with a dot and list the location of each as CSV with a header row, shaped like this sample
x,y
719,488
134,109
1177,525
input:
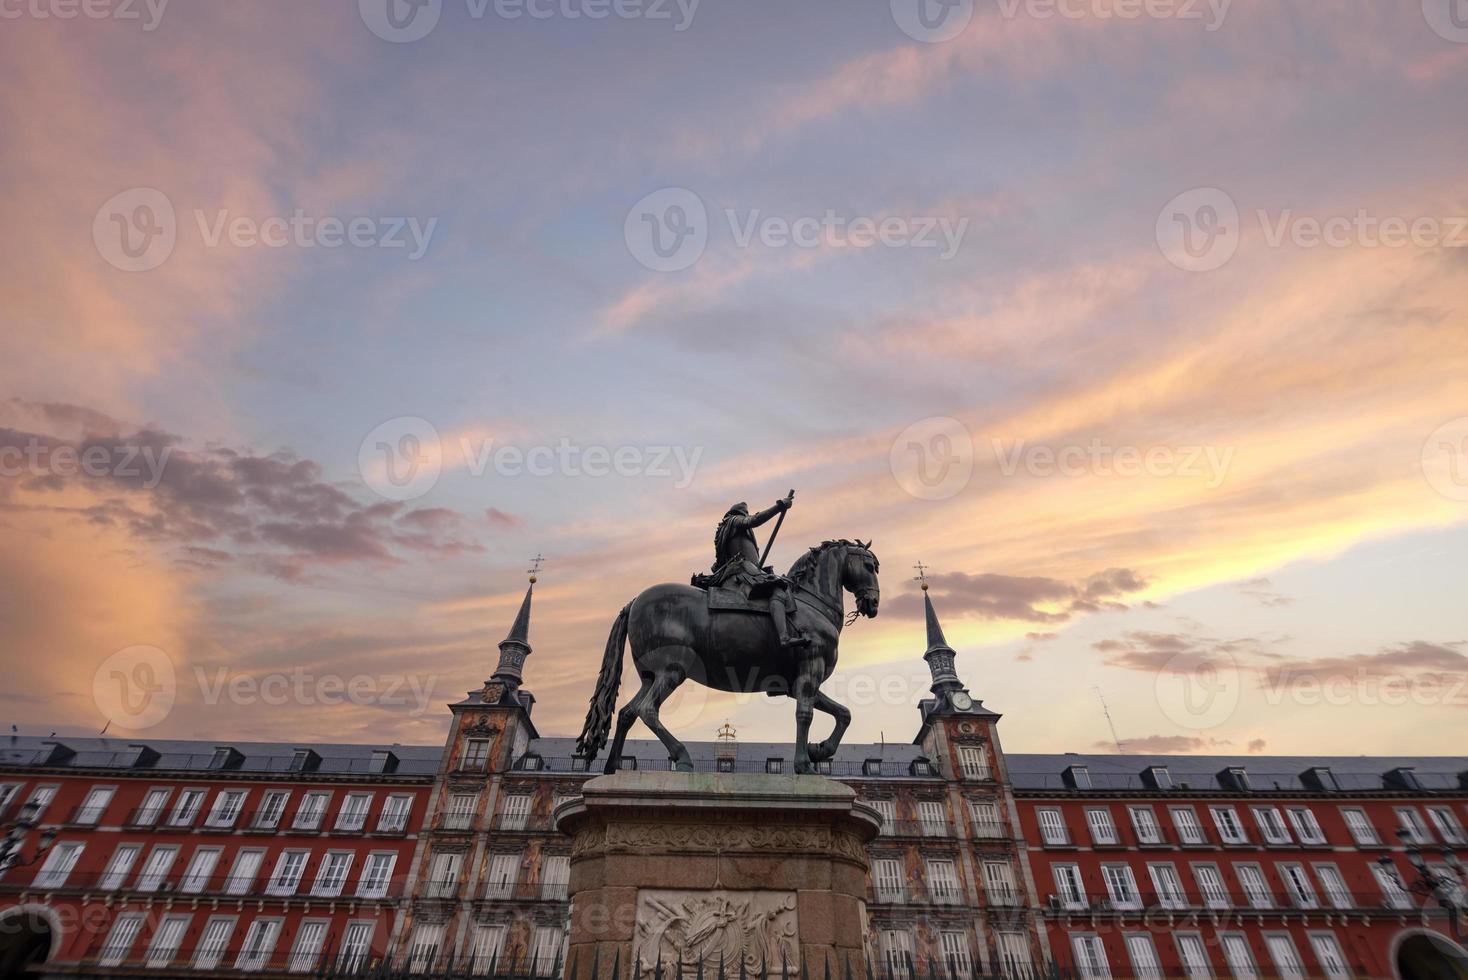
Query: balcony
x,y
1231,901
914,895
990,830
527,891
455,823
178,883
917,828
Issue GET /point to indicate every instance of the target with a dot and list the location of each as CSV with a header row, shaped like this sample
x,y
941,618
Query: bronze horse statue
x,y
677,637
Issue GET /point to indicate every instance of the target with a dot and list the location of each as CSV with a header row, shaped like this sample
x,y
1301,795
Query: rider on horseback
x,y
737,560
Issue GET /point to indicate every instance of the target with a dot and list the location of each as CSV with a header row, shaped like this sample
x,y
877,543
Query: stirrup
x,y
795,640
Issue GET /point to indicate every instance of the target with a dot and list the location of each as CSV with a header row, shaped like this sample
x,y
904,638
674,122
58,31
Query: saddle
x,y
730,588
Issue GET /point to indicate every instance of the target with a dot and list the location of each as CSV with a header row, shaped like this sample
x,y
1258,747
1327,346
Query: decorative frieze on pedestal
x,y
703,866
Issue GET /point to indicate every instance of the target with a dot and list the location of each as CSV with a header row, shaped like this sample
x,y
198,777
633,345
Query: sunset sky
x,y
1177,409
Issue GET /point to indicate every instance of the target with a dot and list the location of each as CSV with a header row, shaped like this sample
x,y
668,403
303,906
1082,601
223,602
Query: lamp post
x,y
1446,887
13,842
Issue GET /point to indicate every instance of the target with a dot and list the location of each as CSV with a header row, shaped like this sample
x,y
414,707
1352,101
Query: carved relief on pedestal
x,y
759,926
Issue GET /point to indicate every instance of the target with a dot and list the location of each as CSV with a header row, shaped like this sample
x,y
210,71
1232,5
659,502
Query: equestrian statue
x,y
742,628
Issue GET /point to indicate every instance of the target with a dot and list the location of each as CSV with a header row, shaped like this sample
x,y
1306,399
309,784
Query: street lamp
x,y
1446,887
14,840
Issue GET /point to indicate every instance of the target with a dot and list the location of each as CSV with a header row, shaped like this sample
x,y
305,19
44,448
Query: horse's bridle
x,y
838,617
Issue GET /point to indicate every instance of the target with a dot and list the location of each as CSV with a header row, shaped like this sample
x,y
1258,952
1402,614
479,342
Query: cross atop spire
x,y
534,570
922,575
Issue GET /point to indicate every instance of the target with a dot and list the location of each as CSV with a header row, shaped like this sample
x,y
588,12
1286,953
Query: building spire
x,y
515,647
940,656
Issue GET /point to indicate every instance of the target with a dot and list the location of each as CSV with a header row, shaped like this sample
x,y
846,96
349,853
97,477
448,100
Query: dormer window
x,y
226,757
774,765
383,761
1320,779
532,763
922,767
1157,777
628,762
579,763
1077,777
1403,777
304,760
1235,778
725,765
871,767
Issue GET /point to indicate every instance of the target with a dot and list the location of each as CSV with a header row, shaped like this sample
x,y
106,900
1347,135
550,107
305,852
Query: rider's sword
x,y
773,534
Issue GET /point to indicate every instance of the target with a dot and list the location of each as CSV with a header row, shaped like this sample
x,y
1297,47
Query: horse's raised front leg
x,y
663,686
827,749
807,690
625,718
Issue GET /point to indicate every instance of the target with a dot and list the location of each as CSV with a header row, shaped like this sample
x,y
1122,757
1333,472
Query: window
x,y
1321,779
1090,957
271,808
973,763
42,796
156,868
1226,819
394,818
221,758
476,754
954,946
227,807
258,945
555,875
1144,822
311,810
1235,778
1077,777
1286,960
1052,828
985,816
303,760
166,940
212,943
443,874
889,880
153,802
1307,828
1391,889
1194,956
999,883
423,950
242,875
1103,831
1411,821
888,810
871,767
1014,953
376,874
355,947
332,874
725,765
306,951
1447,824
516,813
1121,886
1210,883
288,870
1068,884
545,959
120,939
1255,886
943,882
1328,952
353,815
1169,887
897,952
118,866
59,864
1271,825
1240,960
1334,885
7,793
187,808
201,867
1185,821
460,812
504,870
774,765
91,810
1157,777
1299,886
1362,831
489,945
933,819
1143,956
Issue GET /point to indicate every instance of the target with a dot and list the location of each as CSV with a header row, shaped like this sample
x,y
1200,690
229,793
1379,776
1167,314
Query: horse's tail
x,y
604,698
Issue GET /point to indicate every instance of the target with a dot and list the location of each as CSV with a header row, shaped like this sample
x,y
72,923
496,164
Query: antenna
x,y
1109,723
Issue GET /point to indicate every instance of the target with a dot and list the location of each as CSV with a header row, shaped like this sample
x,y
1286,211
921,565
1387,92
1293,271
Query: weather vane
x,y
922,575
534,570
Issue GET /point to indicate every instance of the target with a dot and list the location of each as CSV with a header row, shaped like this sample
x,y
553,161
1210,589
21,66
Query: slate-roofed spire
x,y
515,647
940,655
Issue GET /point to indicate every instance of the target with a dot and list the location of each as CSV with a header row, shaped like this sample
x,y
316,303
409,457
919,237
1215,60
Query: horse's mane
x,y
805,565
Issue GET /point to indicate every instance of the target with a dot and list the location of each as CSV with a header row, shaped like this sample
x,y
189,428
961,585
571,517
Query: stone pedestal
x,y
757,866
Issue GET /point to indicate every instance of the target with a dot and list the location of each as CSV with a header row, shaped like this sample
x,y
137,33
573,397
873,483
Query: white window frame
x,y
268,817
502,874
166,941
1287,962
1053,831
395,812
1254,884
1215,897
154,805
1392,892
1234,946
973,762
986,819
1145,825
332,873
476,755
1143,953
516,813
1192,953
59,864
896,949
285,879
887,879
237,882
1101,826
444,870
119,866
120,939
488,946
1307,827
555,875
1358,822
1409,818
1169,885
356,945
90,813
425,946
953,946
888,810
1185,822
213,942
1272,826
222,814
1298,885
999,883
1070,887
378,867
355,809
306,948
311,811
1333,884
1446,822
1330,955
1121,886
156,867
204,859
1230,827
933,818
1090,956
186,808
258,945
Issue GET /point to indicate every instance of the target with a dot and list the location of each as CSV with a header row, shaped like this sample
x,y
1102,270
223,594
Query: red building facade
x,y
201,858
